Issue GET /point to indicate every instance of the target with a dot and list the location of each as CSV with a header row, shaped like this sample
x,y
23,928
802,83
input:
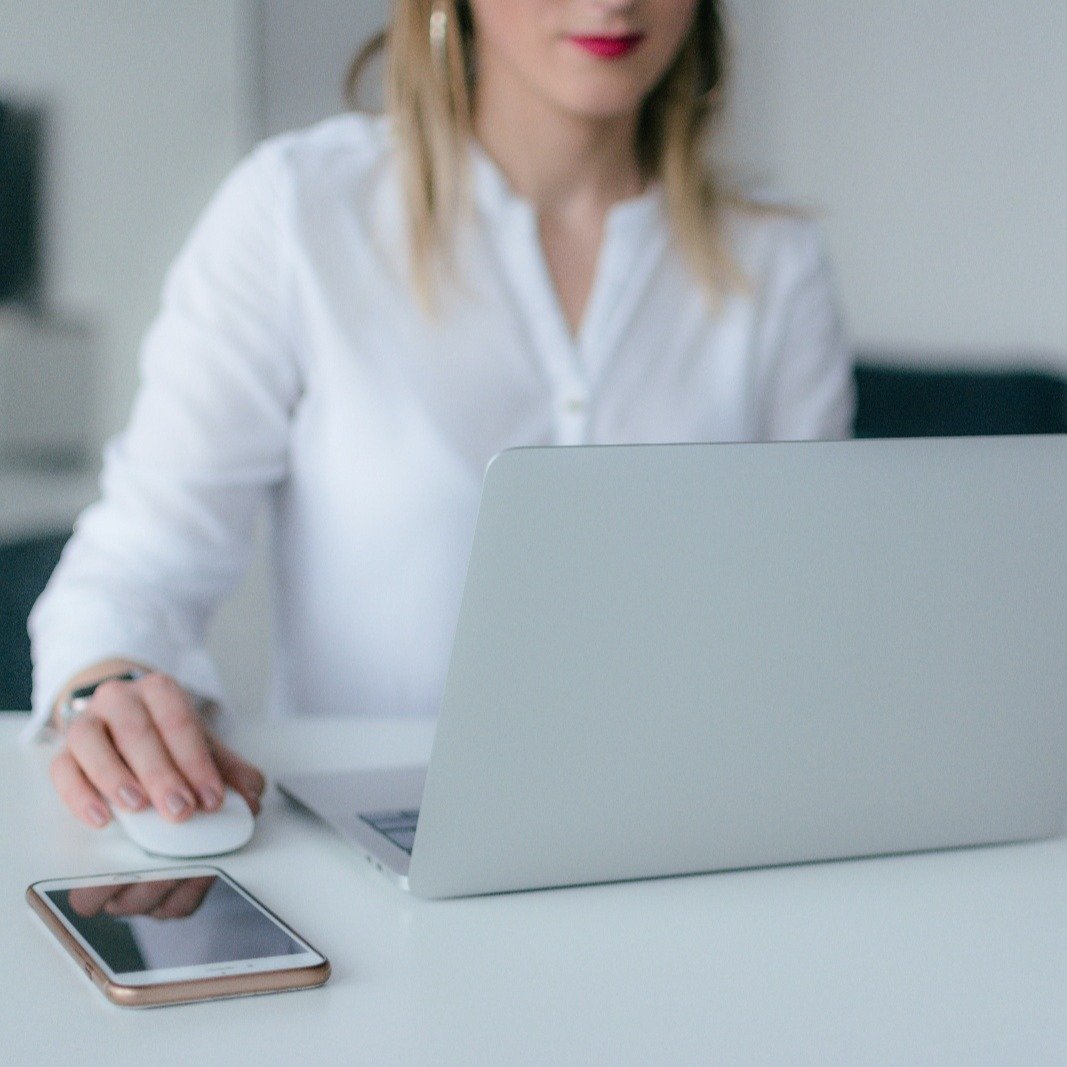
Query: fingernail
x,y
131,797
97,814
211,797
176,803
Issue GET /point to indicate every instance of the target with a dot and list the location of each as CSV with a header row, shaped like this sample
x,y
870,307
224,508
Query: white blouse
x,y
290,368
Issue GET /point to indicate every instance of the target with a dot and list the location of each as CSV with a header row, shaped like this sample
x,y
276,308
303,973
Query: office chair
x,y
894,400
25,566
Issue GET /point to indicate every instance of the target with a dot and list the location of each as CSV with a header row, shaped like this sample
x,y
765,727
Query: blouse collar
x,y
497,199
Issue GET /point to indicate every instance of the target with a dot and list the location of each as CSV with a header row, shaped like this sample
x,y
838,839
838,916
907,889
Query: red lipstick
x,y
609,47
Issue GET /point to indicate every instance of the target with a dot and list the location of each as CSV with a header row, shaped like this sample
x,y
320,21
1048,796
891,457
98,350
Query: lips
x,y
609,47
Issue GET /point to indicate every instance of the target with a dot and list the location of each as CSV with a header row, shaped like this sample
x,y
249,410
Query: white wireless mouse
x,y
205,834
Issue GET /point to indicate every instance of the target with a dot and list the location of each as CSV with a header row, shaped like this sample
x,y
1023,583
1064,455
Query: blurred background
x,y
929,135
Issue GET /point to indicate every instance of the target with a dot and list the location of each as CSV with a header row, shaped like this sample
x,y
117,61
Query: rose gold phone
x,y
173,936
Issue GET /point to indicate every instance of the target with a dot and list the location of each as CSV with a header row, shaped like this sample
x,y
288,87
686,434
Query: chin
x,y
599,102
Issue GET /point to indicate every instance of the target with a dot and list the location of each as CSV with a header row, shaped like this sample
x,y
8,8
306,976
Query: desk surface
x,y
956,957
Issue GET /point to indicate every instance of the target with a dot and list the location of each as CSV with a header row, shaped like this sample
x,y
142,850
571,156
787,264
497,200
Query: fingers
x,y
140,898
137,740
143,742
90,744
171,898
77,792
239,774
184,899
90,900
157,732
183,736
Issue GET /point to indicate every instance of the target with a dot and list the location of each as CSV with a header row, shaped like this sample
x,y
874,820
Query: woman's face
x,y
590,58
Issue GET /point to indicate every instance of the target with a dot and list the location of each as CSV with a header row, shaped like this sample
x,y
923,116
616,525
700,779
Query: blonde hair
x,y
430,103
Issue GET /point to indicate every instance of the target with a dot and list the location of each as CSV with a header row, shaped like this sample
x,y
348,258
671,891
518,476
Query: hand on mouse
x,y
142,742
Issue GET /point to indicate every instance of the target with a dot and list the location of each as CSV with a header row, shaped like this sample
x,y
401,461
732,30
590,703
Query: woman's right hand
x,y
142,742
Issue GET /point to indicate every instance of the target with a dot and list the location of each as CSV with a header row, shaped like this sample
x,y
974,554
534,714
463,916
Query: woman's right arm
x,y
172,534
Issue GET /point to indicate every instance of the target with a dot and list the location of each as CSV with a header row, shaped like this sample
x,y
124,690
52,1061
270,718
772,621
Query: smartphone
x,y
174,936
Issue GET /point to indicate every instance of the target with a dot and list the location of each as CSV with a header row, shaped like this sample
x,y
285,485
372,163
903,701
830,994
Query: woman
x,y
527,249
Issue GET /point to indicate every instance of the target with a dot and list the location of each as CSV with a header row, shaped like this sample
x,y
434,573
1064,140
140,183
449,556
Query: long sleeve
x,y
208,436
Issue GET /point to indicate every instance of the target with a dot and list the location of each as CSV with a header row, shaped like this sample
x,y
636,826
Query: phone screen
x,y
142,926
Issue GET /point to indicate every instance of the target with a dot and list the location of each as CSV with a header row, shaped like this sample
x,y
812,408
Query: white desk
x,y
947,958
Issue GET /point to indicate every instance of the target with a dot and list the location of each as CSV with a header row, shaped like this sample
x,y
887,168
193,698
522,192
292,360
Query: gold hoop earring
x,y
439,36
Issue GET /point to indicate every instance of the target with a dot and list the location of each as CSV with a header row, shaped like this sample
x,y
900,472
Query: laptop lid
x,y
674,659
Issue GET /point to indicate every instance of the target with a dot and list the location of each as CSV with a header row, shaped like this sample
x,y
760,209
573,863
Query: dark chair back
x,y
25,567
900,401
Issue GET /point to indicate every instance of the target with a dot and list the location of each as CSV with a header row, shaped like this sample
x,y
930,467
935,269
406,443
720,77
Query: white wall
x,y
932,134
305,52
149,109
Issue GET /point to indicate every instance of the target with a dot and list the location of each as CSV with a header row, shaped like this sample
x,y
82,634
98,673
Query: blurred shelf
x,y
42,501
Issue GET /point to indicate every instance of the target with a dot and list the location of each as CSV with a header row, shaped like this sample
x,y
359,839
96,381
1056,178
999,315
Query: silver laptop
x,y
682,658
